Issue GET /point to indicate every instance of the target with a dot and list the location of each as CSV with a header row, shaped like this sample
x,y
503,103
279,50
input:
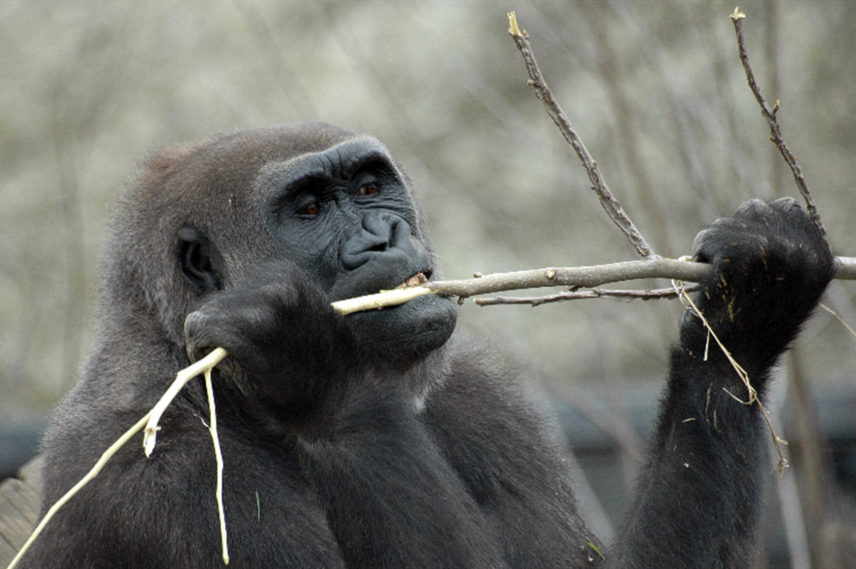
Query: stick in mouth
x,y
406,291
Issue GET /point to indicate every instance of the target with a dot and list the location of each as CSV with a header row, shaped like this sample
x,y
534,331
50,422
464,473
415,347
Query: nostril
x,y
376,243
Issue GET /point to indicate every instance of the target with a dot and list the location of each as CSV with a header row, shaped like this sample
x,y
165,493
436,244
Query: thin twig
x,y
593,293
542,91
741,373
839,318
772,121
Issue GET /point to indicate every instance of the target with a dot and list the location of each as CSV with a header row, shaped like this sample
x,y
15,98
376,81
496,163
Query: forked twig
x,y
205,365
181,379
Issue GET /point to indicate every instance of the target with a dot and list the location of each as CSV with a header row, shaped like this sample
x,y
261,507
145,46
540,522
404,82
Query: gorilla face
x,y
345,216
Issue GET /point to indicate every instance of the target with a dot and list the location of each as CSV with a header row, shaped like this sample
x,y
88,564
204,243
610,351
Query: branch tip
x,y
513,28
770,114
737,14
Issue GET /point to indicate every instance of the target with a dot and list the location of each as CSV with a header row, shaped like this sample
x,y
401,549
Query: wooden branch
x,y
607,199
581,277
571,277
772,121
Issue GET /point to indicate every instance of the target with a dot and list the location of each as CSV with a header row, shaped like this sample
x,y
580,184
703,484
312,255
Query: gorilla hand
x,y
771,267
287,346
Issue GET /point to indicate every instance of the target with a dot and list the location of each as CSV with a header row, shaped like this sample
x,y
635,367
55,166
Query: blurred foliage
x,y
654,88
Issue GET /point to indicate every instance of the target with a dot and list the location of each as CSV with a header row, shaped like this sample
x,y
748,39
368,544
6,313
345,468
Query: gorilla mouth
x,y
415,280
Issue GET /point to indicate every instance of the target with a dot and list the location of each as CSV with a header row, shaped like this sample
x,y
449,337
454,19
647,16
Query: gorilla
x,y
380,439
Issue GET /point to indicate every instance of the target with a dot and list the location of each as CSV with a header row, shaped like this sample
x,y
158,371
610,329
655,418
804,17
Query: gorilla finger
x,y
757,211
786,204
715,241
205,330
797,218
196,344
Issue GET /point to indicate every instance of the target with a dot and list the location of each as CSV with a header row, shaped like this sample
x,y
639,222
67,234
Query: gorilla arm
x,y
697,500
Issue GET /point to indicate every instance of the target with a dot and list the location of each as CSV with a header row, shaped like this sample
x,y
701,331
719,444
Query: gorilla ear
x,y
199,261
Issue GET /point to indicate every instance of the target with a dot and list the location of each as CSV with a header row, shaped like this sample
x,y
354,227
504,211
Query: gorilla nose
x,y
379,234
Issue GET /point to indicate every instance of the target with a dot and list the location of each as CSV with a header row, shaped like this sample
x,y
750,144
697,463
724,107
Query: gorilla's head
x,y
209,217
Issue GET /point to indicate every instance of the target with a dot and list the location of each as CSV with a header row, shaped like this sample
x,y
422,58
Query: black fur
x,y
375,440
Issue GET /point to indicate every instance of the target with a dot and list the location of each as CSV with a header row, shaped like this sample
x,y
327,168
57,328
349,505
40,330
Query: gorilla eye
x,y
367,190
310,209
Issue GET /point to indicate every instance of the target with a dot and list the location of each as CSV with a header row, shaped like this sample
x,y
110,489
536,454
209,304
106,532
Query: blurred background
x,y
655,89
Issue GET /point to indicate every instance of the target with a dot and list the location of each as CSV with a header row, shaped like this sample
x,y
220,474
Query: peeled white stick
x,y
392,297
218,456
181,379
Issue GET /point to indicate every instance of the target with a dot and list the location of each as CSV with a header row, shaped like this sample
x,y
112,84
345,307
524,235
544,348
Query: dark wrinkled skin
x,y
379,439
